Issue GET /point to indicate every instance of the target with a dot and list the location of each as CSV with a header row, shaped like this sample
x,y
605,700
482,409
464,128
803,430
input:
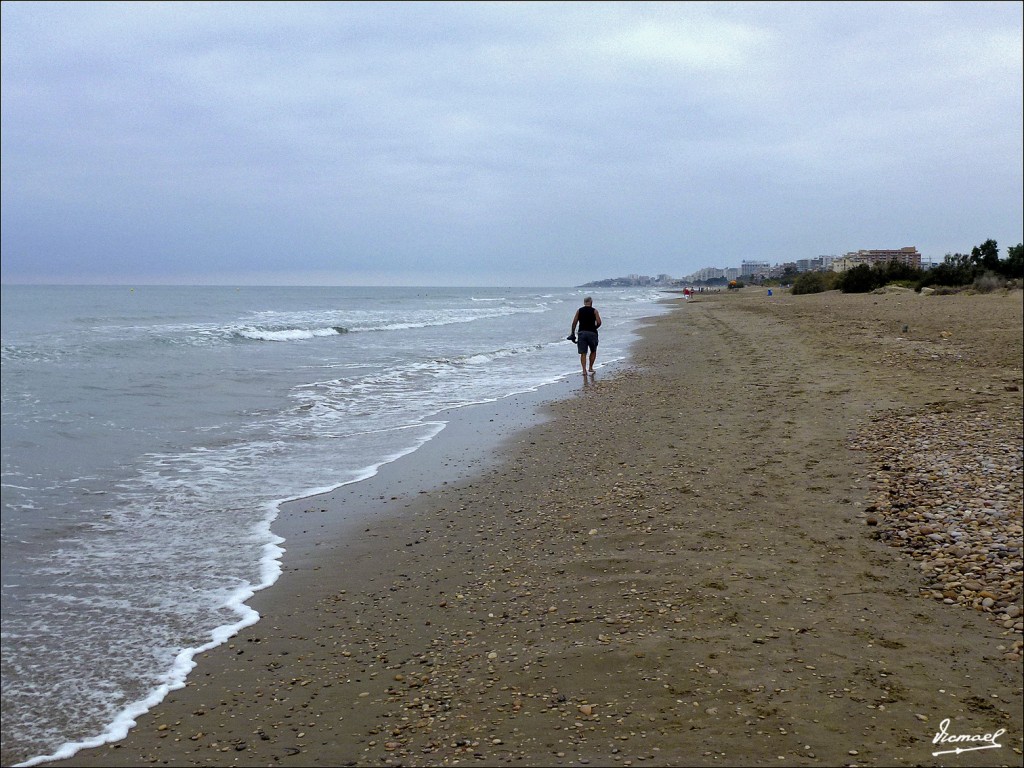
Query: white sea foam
x,y
289,334
184,662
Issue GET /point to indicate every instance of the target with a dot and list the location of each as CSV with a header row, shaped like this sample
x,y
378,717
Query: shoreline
x,y
465,444
468,444
672,567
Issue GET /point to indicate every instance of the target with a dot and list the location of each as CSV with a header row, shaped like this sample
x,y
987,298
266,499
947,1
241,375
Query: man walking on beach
x,y
589,320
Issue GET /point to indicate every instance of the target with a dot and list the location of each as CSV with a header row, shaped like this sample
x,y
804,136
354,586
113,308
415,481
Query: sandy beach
x,y
787,532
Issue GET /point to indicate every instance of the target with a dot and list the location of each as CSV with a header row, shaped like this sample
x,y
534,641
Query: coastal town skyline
x,y
753,268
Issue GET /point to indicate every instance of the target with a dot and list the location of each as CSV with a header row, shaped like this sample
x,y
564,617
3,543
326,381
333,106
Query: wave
x,y
262,326
368,325
289,334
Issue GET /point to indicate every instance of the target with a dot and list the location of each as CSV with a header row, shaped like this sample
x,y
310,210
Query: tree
x,y
955,270
789,274
894,271
986,256
1014,264
858,279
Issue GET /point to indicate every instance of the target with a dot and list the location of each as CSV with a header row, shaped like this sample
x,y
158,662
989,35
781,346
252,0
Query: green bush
x,y
813,282
952,272
859,279
864,278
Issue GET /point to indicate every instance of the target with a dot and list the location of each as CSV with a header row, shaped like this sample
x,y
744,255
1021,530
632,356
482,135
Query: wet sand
x,y
675,568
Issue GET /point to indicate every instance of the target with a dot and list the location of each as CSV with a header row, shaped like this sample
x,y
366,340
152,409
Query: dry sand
x,y
674,569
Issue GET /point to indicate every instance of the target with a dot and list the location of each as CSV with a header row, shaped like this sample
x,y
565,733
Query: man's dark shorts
x,y
586,340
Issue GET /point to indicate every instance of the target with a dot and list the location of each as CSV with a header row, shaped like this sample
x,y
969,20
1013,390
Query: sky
x,y
498,144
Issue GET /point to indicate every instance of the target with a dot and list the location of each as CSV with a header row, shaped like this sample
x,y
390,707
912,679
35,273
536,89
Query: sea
x,y
151,433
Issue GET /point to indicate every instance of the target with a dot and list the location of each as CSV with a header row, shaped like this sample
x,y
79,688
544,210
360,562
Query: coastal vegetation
x,y
982,270
814,282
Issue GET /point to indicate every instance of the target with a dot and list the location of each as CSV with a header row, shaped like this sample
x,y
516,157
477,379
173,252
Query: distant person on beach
x,y
589,320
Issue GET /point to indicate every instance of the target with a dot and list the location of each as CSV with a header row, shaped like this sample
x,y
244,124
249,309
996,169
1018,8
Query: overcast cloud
x,y
499,144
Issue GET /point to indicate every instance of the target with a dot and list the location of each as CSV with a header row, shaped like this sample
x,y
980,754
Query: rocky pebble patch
x,y
948,491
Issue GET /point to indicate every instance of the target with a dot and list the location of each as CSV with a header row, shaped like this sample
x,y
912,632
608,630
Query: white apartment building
x,y
755,268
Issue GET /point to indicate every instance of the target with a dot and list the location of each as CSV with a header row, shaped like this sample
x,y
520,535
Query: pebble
x,y
949,492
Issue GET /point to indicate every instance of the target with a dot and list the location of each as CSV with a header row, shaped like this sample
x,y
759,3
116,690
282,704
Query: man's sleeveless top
x,y
588,319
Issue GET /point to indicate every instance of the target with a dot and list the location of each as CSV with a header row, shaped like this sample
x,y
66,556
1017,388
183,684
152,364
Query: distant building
x,y
817,264
755,268
633,280
780,270
707,273
909,256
